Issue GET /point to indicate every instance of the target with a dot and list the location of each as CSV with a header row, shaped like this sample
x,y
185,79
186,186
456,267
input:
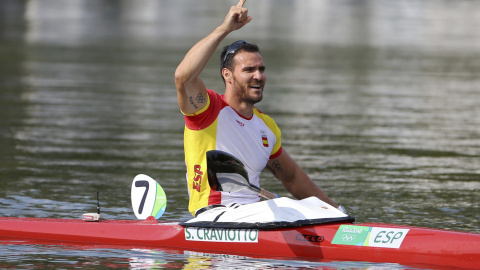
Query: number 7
x,y
142,183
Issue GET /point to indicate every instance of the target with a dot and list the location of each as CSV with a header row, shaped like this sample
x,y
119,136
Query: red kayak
x,y
370,242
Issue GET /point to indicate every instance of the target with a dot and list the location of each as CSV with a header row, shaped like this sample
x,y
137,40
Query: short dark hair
x,y
228,52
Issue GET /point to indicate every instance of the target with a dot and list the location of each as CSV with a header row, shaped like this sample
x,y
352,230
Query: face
x,y
248,76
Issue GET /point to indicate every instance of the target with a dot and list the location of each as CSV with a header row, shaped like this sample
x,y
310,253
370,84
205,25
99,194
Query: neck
x,y
243,108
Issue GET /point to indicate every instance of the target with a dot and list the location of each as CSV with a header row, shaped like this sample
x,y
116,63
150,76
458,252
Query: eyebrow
x,y
254,67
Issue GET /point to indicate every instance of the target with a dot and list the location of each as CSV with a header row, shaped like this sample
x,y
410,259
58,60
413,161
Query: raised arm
x,y
295,180
191,91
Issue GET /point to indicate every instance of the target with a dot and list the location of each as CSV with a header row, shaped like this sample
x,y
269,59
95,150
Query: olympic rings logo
x,y
348,237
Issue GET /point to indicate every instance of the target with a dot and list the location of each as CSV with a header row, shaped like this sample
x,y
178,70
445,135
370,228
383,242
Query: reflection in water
x,y
70,257
376,100
202,260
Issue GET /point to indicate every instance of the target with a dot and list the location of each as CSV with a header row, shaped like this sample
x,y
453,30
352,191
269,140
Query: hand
x,y
237,17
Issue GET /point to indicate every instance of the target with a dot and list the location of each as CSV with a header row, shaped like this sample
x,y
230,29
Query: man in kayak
x,y
230,122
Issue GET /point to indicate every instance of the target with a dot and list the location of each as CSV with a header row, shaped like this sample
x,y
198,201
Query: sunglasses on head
x,y
233,48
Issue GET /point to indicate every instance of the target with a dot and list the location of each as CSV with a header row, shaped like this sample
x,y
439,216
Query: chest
x,y
250,140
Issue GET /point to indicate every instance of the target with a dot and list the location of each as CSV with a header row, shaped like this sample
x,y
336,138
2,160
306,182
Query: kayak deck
x,y
369,242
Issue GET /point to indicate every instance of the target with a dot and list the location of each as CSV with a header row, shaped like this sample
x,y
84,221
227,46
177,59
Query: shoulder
x,y
213,100
213,94
266,118
207,114
216,99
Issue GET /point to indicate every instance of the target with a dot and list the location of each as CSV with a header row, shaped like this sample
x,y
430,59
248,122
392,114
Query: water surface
x,y
377,101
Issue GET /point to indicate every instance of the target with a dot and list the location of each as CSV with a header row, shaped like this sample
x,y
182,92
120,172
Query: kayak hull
x,y
370,242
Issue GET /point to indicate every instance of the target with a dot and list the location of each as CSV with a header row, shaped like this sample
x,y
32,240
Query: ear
x,y
227,74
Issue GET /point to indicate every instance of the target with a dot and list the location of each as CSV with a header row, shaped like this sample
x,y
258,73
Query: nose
x,y
258,75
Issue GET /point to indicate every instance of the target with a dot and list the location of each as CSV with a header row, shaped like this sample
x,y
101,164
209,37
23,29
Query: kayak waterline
x,y
370,242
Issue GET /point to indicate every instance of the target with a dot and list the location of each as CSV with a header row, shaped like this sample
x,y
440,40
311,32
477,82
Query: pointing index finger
x,y
240,3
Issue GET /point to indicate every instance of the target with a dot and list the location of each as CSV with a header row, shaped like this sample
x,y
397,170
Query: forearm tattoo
x,y
276,167
200,99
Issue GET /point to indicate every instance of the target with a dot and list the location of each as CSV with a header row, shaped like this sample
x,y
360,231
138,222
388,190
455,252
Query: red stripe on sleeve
x,y
277,154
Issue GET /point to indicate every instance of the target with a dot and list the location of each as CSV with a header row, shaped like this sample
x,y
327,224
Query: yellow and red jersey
x,y
219,127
